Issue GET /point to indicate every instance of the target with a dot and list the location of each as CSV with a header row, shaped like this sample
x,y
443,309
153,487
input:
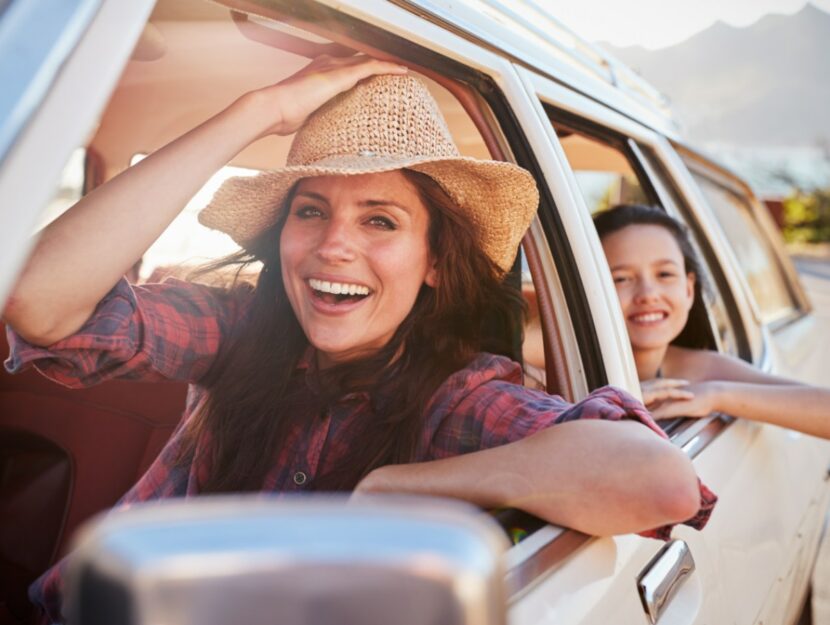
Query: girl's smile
x,y
355,254
654,289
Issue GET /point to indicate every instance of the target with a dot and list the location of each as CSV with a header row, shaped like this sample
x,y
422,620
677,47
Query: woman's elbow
x,y
42,329
674,490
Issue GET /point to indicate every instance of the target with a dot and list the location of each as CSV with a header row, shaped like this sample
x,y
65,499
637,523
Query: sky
x,y
657,24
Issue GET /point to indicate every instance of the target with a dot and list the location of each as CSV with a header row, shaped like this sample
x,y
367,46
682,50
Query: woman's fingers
x,y
696,406
653,397
301,94
670,409
657,390
664,383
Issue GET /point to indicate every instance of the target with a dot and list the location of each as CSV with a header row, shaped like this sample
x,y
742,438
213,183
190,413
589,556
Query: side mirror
x,y
294,561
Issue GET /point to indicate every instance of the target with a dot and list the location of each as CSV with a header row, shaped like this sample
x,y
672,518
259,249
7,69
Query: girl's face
x,y
354,254
655,291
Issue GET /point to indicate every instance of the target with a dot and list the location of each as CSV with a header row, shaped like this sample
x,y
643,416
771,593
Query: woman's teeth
x,y
648,317
338,288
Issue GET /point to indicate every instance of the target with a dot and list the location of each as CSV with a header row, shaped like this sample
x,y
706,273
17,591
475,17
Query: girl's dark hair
x,y
697,333
254,387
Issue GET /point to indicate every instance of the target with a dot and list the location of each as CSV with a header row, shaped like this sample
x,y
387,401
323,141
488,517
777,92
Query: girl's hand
x,y
658,390
292,100
703,401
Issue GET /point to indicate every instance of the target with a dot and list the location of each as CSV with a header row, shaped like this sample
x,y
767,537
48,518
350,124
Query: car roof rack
x,y
530,35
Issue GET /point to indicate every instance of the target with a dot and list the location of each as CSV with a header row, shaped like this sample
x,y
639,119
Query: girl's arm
x,y
81,255
732,386
641,482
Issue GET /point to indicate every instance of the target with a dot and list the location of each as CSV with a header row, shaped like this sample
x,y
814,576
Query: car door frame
x,y
55,114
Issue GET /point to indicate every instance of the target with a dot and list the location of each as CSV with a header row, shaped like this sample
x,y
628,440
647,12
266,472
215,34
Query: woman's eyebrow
x,y
312,195
660,261
379,203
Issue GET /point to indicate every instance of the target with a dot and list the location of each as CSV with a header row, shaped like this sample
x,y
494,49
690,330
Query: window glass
x,y
186,243
754,253
70,188
533,342
603,173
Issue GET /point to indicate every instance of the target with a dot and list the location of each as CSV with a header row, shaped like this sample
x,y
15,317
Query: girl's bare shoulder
x,y
695,365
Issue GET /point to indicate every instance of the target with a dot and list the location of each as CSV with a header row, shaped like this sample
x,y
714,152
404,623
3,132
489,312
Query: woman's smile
x,y
337,296
355,255
648,318
654,289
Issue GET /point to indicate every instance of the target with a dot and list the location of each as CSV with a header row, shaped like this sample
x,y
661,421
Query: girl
x,y
657,275
356,362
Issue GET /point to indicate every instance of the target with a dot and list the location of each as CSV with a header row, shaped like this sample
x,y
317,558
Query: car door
x,y
746,558
794,343
56,81
59,62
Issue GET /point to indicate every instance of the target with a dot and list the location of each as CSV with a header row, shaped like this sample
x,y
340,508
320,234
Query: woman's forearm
x,y
794,406
82,254
599,477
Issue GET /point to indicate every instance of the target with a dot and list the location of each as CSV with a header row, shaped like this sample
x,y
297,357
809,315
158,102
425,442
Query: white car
x,y
92,85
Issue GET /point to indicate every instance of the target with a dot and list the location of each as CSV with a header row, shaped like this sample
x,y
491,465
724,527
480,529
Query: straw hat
x,y
382,124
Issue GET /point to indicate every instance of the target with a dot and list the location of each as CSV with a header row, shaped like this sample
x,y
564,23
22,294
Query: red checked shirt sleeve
x,y
151,332
485,405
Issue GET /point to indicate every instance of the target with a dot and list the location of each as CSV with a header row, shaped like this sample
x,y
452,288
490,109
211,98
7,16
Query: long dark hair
x,y
697,333
253,389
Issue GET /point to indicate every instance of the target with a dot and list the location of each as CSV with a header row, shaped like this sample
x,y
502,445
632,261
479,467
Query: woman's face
x,y
654,289
354,254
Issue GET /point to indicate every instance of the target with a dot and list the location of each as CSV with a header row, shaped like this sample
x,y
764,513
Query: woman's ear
x,y
431,277
690,288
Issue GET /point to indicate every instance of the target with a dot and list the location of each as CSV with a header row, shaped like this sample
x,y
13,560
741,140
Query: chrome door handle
x,y
663,575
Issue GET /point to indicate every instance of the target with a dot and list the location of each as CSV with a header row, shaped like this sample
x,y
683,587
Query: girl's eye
x,y
382,222
667,274
305,211
621,279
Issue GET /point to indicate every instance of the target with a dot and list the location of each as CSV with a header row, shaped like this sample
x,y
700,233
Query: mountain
x,y
766,84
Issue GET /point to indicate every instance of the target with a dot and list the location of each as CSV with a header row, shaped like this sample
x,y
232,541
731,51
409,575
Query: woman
x,y
330,374
658,279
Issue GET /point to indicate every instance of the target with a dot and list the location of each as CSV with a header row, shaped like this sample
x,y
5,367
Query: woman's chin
x,y
332,352
642,341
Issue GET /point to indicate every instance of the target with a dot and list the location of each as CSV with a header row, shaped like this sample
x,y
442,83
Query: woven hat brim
x,y
499,198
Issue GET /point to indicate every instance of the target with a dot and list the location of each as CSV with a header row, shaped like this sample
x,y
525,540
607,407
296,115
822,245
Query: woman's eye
x,y
307,212
621,279
667,274
382,222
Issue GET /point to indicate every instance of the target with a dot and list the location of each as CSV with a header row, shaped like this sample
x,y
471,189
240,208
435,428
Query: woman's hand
x,y
64,280
658,390
382,480
684,400
292,100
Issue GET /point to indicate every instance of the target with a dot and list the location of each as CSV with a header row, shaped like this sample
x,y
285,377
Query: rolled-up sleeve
x,y
166,331
486,406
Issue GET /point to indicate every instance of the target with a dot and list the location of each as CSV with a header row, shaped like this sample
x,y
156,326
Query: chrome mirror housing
x,y
295,561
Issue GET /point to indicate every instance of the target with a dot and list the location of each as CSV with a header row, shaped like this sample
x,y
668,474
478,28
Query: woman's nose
x,y
336,243
646,291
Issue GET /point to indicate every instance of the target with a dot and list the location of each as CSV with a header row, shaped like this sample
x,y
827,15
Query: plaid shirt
x,y
173,331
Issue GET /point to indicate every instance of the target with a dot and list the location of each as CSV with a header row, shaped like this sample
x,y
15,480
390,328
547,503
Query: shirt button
x,y
300,478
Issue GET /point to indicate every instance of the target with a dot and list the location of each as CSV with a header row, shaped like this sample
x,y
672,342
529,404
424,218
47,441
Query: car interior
x,y
67,454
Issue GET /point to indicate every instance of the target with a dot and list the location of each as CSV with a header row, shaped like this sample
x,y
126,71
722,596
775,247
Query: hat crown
x,y
384,115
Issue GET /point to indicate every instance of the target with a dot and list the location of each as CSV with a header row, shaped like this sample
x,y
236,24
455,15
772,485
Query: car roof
x,y
529,35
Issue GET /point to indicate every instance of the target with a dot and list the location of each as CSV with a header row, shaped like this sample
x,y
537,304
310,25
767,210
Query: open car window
x,y
727,328
612,169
